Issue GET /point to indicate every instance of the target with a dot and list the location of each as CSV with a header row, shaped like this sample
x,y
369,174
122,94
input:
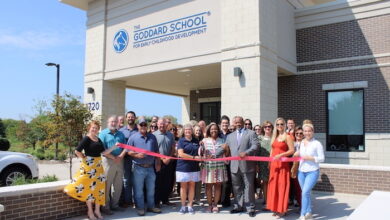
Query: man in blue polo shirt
x,y
113,164
128,130
144,168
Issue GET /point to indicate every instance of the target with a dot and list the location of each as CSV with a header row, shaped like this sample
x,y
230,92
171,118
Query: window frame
x,y
327,120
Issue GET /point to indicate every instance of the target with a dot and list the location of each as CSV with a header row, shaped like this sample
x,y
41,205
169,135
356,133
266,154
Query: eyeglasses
x,y
298,133
268,126
153,126
248,124
280,124
143,125
173,129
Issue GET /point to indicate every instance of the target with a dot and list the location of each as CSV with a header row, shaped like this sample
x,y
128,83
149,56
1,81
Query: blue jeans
x,y
144,176
307,180
128,180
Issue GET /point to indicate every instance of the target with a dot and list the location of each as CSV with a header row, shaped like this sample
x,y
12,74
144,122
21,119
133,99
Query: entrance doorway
x,y
210,112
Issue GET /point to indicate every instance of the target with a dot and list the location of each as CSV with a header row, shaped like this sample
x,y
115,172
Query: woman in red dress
x,y
279,178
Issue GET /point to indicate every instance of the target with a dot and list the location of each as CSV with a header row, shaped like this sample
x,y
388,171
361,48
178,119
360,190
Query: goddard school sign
x,y
172,30
188,30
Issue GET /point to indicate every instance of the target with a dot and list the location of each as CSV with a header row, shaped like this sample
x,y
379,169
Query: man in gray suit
x,y
243,142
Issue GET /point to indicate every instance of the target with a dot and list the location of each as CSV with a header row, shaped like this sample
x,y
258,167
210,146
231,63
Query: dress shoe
x,y
252,214
236,210
154,210
169,204
141,212
118,209
107,211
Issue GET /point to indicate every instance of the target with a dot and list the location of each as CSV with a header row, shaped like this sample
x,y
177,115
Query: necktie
x,y
238,136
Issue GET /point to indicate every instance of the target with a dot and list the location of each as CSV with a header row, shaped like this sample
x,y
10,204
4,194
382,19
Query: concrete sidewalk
x,y
325,206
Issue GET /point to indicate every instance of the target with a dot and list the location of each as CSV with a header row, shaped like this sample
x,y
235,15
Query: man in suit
x,y
243,142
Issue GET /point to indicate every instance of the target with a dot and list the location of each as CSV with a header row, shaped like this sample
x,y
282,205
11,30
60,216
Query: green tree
x,y
24,134
68,122
11,126
2,129
173,118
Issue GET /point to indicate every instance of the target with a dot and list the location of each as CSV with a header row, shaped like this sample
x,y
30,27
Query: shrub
x,y
22,181
62,156
4,144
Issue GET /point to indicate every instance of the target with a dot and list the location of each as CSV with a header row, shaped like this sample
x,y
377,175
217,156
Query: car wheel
x,y
11,174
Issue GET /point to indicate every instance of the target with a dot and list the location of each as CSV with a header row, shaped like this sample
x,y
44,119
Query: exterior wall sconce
x,y
90,90
237,71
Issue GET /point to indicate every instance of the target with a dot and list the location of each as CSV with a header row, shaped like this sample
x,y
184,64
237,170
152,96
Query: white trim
x,y
345,68
354,167
340,12
209,99
345,85
380,55
33,188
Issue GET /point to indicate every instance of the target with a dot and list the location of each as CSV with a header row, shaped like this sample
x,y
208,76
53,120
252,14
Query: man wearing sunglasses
x,y
144,168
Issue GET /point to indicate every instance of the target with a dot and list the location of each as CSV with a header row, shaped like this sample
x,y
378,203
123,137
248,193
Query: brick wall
x,y
51,204
345,39
353,181
364,37
309,100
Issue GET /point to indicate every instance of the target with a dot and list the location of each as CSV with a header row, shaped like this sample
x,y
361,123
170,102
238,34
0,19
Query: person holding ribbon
x,y
279,180
89,183
213,172
243,142
187,171
312,153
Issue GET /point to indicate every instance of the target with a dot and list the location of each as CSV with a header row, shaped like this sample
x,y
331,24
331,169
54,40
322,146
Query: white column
x,y
248,42
109,96
185,110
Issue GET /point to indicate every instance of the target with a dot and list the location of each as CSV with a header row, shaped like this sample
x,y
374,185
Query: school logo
x,y
121,40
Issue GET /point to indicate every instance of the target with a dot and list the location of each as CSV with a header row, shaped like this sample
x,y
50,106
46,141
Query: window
x,y
345,120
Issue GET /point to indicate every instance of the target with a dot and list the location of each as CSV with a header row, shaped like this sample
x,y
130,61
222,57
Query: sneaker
x,y
302,218
191,210
308,216
182,210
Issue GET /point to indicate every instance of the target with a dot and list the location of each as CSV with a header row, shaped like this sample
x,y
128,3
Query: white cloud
x,y
39,40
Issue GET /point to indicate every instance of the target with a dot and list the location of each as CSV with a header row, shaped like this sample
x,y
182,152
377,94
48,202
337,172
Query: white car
x,y
14,165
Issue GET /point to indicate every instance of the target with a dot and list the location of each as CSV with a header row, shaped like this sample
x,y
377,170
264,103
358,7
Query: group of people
x,y
113,178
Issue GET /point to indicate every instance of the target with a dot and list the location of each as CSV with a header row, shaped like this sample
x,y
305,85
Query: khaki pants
x,y
114,174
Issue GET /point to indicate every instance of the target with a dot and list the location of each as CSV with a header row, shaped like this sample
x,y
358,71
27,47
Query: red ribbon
x,y
249,158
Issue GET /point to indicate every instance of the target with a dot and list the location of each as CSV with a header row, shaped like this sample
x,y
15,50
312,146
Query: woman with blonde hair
x,y
282,145
312,153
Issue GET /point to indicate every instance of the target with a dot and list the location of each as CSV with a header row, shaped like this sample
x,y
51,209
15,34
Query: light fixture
x,y
90,90
237,71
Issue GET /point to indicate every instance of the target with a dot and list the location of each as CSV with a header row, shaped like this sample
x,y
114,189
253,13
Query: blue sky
x,y
33,33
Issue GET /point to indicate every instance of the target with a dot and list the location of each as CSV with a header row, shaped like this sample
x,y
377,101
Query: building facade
x,y
327,61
